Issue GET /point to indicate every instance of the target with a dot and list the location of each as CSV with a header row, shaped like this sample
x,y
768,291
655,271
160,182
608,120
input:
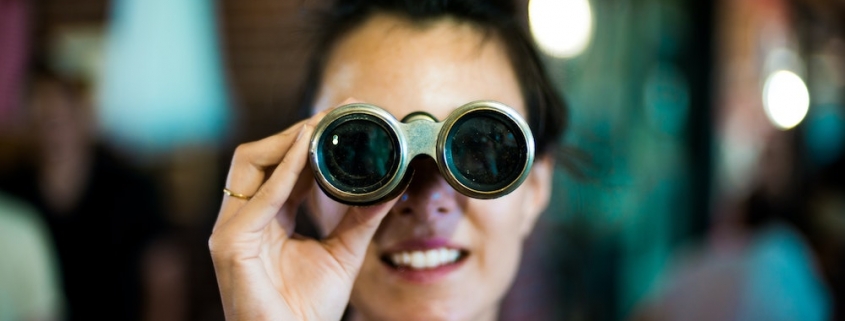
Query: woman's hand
x,y
264,271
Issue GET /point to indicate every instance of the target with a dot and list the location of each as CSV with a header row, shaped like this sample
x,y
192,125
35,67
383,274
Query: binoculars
x,y
361,154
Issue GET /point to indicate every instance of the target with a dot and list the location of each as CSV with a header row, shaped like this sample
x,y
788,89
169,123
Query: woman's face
x,y
411,271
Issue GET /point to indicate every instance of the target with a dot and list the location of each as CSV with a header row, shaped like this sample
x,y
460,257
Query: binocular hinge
x,y
422,130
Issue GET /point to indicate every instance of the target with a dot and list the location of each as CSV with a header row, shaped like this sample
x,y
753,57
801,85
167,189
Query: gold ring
x,y
233,194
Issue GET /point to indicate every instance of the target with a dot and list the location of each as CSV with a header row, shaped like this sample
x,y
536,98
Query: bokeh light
x,y
785,99
562,28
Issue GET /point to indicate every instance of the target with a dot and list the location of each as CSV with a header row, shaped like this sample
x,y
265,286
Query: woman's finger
x,y
349,240
273,194
249,165
252,161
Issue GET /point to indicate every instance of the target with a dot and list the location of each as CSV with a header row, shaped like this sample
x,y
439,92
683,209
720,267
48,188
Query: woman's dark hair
x,y
547,111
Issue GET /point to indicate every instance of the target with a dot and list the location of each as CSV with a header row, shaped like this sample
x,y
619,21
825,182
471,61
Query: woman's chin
x,y
447,301
419,311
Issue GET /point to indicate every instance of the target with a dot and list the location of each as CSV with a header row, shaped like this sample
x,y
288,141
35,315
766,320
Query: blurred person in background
x,y
403,56
103,214
761,260
30,284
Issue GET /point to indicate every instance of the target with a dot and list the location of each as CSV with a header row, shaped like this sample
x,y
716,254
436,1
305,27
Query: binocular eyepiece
x,y
360,154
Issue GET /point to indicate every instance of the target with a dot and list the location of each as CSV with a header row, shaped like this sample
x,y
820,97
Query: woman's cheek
x,y
499,217
497,227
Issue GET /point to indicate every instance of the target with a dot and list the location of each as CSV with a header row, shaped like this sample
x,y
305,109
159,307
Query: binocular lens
x,y
483,152
358,153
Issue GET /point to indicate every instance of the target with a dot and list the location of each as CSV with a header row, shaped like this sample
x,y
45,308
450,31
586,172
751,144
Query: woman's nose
x,y
429,196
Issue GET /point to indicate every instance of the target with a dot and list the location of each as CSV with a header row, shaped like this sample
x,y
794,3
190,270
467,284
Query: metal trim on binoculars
x,y
420,134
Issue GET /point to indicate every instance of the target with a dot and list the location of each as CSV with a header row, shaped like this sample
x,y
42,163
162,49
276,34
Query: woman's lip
x,y
423,275
422,245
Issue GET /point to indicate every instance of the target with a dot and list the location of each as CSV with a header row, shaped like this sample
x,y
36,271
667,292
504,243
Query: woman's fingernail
x,y
349,100
301,131
316,118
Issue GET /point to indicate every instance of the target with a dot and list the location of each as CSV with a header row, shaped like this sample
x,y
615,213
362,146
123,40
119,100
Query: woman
x,y
403,56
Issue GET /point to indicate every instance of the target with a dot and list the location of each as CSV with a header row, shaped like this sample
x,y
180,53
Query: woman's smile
x,y
424,260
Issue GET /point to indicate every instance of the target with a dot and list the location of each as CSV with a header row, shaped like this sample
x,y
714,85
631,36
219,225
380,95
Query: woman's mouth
x,y
424,261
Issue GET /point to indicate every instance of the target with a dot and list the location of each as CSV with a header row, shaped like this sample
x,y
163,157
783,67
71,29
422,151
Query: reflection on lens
x,y
485,151
357,154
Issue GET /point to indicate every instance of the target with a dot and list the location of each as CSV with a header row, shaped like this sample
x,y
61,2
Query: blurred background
x,y
706,177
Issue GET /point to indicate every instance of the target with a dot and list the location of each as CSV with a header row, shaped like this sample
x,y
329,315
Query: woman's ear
x,y
539,184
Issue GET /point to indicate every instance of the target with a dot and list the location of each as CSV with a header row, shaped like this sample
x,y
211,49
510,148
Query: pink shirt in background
x,y
13,59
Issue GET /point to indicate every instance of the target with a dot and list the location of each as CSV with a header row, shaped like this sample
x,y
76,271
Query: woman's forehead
x,y
404,67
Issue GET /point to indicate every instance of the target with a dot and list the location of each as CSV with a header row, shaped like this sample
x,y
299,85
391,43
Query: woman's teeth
x,y
425,259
